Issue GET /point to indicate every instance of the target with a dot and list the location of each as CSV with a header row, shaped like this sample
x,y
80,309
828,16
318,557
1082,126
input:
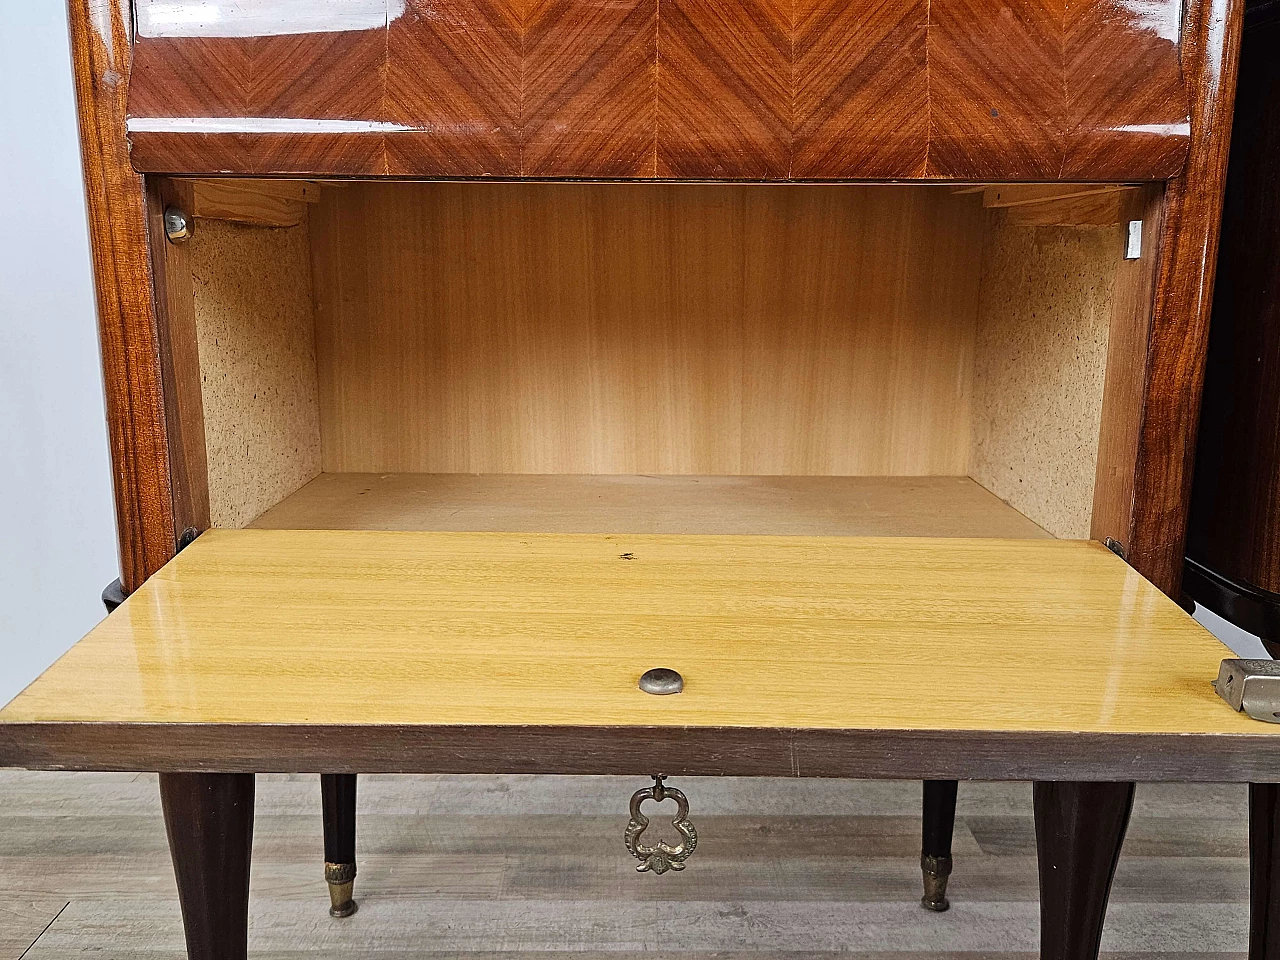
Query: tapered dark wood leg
x,y
1079,830
209,819
338,796
938,821
1264,871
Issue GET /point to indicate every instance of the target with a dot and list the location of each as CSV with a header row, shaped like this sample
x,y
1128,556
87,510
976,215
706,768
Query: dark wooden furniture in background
x,y
1233,535
813,90
1233,539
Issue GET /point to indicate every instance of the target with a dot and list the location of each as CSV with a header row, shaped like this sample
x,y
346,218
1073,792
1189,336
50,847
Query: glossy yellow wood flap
x,y
362,627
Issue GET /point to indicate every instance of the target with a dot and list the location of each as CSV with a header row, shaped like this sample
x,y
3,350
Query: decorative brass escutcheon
x,y
662,857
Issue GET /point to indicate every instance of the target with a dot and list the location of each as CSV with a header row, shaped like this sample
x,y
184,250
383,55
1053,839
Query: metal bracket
x,y
177,225
1251,686
113,595
1133,242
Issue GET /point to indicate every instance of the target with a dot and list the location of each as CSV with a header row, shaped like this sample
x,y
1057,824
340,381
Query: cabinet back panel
x,y
615,328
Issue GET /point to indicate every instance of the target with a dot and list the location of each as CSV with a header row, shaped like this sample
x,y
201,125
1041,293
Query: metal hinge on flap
x,y
1252,686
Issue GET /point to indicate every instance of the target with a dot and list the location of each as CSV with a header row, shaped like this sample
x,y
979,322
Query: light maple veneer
x,y
553,503
341,644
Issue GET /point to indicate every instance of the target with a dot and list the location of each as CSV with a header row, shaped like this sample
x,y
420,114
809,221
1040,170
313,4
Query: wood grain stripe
x,y
1135,107
725,96
122,279
861,89
589,101
454,70
996,76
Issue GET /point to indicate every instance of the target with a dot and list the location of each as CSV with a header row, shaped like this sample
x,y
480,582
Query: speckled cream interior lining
x,y
255,333
1044,316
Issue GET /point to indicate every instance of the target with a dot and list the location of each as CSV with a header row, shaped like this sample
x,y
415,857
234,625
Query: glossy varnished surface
x,y
752,89
1234,526
434,629
1188,252
128,335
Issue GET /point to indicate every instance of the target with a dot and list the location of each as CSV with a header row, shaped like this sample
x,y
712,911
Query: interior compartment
x,y
848,359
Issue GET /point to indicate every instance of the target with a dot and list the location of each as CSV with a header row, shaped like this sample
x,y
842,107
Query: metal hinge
x,y
113,594
1133,242
1251,686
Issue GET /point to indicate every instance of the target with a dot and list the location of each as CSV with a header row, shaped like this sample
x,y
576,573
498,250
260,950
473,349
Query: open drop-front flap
x,y
349,637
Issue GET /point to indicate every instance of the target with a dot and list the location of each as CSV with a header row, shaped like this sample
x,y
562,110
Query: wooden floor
x,y
465,866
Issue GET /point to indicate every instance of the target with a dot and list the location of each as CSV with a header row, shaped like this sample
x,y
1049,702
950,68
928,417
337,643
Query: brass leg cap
x,y
935,870
341,878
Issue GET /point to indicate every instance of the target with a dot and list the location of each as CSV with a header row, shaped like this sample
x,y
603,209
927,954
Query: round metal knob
x,y
660,682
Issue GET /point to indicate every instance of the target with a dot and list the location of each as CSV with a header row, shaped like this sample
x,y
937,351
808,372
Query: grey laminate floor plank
x,y
427,876
1169,836
488,867
52,794
22,920
760,927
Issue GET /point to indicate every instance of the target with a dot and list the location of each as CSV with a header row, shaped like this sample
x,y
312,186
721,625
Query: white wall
x,y
57,535
1241,643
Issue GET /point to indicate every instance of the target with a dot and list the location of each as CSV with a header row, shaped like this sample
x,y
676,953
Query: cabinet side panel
x,y
1043,325
253,314
100,48
1122,396
179,356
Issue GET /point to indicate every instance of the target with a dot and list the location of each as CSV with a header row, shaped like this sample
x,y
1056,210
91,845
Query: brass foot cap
x,y
935,870
341,878
344,909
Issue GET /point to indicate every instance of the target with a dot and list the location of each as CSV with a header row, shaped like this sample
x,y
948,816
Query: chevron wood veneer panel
x,y
861,89
321,75
189,77
589,104
1135,111
324,76
990,90
454,69
725,102
997,91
